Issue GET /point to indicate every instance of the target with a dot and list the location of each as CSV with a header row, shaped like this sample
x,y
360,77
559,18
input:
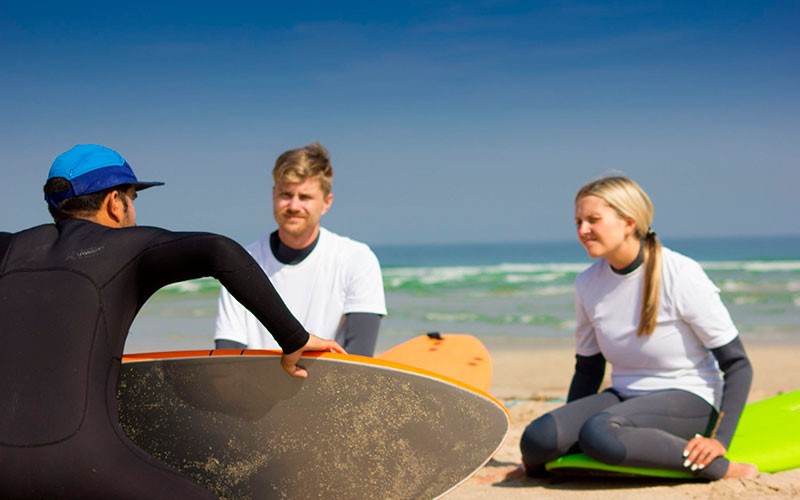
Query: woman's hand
x,y
701,451
289,361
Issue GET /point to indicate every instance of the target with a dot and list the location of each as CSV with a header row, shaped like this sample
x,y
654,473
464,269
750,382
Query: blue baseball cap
x,y
90,168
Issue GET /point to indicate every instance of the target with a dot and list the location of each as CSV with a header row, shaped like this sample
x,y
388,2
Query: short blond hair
x,y
631,202
297,165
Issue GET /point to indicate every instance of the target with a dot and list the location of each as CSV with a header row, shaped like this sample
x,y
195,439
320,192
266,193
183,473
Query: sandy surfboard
x,y
455,355
767,436
355,428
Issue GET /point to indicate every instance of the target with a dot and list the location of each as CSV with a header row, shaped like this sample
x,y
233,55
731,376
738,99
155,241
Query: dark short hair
x,y
86,204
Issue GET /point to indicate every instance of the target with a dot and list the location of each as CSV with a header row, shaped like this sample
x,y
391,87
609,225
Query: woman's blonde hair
x,y
631,202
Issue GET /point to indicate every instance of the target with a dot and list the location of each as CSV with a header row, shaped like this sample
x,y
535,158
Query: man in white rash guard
x,y
332,284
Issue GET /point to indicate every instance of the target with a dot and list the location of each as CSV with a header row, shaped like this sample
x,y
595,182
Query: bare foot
x,y
515,474
742,471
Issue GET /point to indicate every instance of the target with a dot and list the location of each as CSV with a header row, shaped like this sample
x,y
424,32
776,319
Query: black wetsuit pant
x,y
643,431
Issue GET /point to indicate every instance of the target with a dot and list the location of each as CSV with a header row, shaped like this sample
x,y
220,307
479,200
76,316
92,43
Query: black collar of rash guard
x,y
633,265
287,255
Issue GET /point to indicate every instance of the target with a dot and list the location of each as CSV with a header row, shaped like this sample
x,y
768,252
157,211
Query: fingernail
x,y
687,463
702,466
694,467
698,435
685,453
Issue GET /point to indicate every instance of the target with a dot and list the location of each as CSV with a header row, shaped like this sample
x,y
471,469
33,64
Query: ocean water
x,y
510,293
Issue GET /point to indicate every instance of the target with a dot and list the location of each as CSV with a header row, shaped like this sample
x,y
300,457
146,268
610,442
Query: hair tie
x,y
650,233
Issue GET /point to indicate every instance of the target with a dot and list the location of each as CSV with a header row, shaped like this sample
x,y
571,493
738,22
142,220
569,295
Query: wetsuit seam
x,y
640,414
54,268
85,401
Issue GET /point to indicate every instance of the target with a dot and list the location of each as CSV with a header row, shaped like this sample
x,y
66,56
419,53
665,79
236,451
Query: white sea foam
x,y
450,317
550,291
569,324
734,286
447,274
395,282
519,278
185,286
540,268
533,278
755,266
493,269
507,273
524,318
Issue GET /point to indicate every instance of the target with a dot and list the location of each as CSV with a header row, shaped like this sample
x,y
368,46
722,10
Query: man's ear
x,y
112,210
328,202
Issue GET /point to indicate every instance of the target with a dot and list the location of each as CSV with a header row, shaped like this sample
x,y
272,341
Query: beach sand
x,y
533,381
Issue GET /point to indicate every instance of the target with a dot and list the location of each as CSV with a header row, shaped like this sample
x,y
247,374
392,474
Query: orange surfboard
x,y
455,355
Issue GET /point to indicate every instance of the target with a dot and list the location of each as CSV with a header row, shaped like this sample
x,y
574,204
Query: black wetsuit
x,y
68,295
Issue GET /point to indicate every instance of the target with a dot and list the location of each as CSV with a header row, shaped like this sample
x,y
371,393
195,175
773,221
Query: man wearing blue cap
x,y
69,292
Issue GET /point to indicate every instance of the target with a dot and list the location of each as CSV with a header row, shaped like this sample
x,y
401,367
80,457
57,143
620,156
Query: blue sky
x,y
446,121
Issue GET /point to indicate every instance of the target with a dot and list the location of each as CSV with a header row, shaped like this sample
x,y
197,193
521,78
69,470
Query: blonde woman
x,y
680,374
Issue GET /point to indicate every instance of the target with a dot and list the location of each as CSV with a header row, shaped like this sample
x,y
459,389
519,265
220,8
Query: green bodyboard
x,y
767,436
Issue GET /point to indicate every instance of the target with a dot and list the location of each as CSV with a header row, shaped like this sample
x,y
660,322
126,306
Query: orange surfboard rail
x,y
458,359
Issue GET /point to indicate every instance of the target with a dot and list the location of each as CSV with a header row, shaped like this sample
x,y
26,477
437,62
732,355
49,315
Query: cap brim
x,y
144,185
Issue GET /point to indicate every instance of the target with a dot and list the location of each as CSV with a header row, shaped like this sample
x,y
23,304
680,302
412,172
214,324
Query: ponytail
x,y
651,289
